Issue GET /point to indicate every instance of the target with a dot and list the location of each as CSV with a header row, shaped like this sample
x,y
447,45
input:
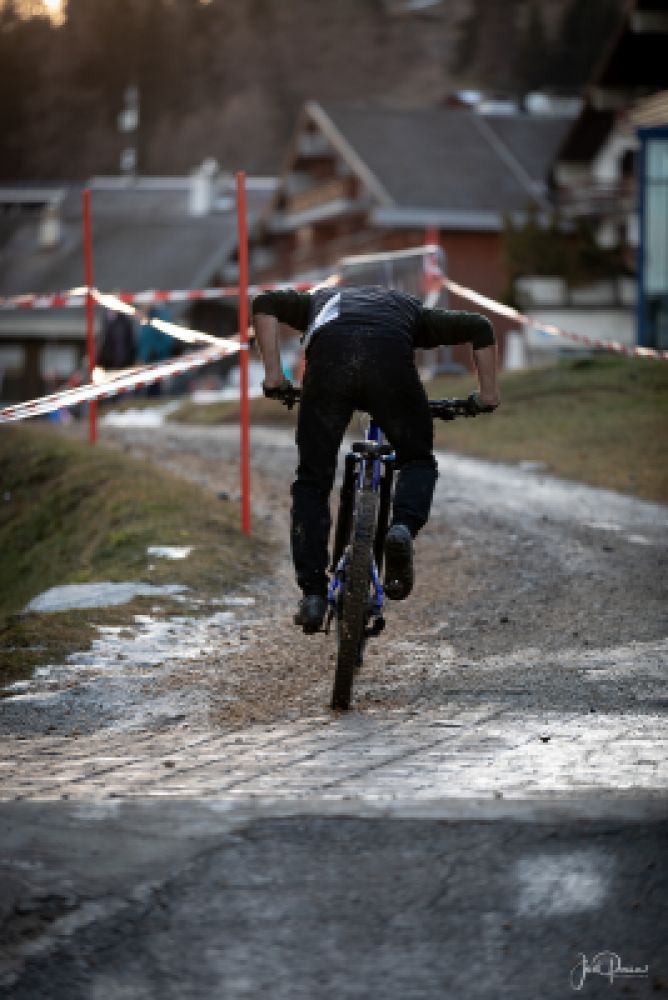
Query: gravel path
x,y
514,569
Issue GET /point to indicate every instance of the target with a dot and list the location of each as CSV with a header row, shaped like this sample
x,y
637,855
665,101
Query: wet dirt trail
x,y
529,590
530,658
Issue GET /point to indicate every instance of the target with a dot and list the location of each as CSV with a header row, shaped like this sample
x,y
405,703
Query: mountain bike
x,y
355,598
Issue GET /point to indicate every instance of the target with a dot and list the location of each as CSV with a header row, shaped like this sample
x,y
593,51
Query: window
x,y
12,365
653,257
57,361
12,359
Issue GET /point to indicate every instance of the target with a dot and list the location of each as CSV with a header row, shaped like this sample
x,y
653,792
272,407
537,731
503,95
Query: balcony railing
x,y
616,199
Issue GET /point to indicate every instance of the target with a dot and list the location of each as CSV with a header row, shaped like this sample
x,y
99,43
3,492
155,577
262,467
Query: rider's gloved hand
x,y
476,405
277,391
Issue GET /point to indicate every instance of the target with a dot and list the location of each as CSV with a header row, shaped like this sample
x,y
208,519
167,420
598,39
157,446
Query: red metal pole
x,y
90,311
243,356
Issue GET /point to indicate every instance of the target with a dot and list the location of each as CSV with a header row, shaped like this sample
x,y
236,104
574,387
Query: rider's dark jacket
x,y
373,308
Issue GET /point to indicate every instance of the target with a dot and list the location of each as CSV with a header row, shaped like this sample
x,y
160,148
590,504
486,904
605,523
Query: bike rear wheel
x,y
352,619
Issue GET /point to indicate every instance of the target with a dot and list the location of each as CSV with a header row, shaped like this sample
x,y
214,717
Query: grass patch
x,y
601,421
75,514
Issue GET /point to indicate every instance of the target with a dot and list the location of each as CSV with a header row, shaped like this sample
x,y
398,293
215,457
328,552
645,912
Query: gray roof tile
x,y
445,159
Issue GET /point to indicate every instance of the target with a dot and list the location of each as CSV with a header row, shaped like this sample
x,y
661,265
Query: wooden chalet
x,y
360,180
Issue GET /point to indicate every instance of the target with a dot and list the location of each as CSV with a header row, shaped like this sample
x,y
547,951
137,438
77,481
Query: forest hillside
x,y
226,78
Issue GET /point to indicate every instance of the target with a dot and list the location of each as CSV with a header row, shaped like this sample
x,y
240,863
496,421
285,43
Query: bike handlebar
x,y
288,396
441,409
450,409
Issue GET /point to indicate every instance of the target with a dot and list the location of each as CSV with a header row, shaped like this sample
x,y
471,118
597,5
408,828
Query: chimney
x,y
201,192
50,226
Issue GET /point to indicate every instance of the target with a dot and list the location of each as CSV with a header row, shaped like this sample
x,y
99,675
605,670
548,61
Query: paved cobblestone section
x,y
416,753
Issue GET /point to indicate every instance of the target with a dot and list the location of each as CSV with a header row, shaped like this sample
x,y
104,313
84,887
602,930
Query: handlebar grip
x,y
450,409
287,394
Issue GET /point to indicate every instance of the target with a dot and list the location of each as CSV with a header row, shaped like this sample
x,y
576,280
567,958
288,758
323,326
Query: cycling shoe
x,y
311,612
398,562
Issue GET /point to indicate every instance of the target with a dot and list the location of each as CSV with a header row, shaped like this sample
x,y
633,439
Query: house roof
x,y
449,161
142,238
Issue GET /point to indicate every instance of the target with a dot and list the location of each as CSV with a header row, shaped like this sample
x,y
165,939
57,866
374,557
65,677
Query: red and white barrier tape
x,y
75,298
184,333
133,378
552,331
136,378
116,385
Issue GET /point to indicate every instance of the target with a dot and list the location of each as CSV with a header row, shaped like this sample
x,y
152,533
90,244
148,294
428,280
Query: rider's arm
x,y
485,362
269,310
444,327
286,305
268,342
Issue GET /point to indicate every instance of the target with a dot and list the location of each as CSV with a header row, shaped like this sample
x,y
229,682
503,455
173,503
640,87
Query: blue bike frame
x,y
374,435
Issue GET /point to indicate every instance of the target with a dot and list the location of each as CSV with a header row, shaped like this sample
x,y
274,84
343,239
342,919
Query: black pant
x,y
347,371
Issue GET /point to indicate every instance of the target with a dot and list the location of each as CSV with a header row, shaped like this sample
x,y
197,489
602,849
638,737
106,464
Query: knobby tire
x,y
352,620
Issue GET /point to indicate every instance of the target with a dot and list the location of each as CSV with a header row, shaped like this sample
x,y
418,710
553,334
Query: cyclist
x,y
359,344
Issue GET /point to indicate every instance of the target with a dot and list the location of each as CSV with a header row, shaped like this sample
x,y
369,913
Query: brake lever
x,y
290,397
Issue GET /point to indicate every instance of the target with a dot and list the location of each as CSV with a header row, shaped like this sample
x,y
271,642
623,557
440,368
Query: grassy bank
x,y
602,421
262,411
75,514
